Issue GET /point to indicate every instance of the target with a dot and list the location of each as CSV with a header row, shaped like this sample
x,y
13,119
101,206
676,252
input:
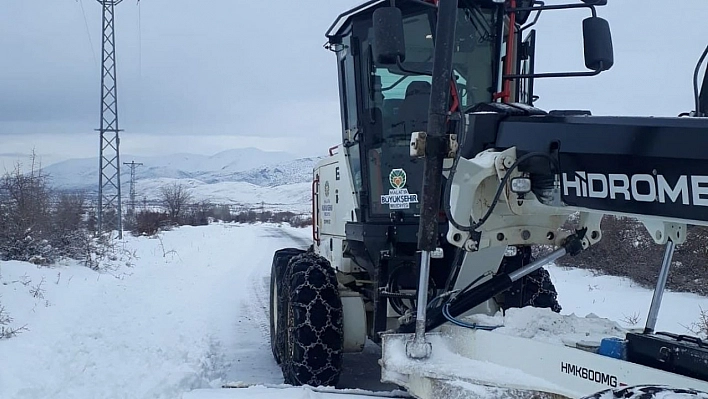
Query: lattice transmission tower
x,y
133,165
109,196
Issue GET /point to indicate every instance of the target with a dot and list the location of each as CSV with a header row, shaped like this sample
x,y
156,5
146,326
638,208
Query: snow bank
x,y
581,292
550,327
191,313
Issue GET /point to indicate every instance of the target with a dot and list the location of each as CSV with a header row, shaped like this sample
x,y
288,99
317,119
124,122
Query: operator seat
x,y
413,113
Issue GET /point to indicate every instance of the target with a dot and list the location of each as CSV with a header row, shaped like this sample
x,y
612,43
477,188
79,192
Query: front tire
x,y
314,320
281,258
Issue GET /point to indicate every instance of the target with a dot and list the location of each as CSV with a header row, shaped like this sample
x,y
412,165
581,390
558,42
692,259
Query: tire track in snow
x,y
254,324
259,308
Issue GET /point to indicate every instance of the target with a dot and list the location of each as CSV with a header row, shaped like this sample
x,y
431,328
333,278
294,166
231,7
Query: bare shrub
x,y
175,198
302,221
149,223
700,327
37,291
632,319
223,213
627,250
5,319
25,215
247,217
70,233
7,332
292,218
197,214
37,225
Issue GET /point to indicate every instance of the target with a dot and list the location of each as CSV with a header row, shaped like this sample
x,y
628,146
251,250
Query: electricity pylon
x,y
109,196
133,165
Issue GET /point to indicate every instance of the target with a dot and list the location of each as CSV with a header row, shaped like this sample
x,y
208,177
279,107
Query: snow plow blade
x,y
448,373
475,363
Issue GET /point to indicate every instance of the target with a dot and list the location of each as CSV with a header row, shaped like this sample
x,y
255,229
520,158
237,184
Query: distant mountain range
x,y
246,176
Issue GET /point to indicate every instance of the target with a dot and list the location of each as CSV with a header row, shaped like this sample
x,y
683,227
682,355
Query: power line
x,y
140,42
88,32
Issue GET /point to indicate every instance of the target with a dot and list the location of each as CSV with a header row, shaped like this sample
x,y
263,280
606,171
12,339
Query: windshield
x,y
474,58
399,99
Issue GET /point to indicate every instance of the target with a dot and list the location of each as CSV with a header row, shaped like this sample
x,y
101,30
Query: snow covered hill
x,y
248,177
177,315
288,197
282,173
83,173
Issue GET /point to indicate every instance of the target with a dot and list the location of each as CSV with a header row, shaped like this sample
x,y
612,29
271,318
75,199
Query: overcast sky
x,y
204,76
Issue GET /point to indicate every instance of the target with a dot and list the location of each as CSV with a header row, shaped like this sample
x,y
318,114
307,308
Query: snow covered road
x,y
188,311
191,314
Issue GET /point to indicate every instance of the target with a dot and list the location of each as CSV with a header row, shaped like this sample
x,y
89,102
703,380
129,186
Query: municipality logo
x,y
398,197
397,178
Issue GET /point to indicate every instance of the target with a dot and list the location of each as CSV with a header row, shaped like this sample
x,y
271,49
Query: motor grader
x,y
446,179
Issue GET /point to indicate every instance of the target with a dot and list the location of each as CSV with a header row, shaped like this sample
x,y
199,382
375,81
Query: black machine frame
x,y
605,147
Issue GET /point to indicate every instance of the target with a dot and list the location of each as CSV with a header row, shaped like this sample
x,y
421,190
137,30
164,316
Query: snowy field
x,y
178,315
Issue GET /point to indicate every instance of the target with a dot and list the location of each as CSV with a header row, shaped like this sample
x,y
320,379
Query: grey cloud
x,y
224,65
257,68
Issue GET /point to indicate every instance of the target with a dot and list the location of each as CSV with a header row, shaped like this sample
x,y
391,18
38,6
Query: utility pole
x,y
133,165
109,197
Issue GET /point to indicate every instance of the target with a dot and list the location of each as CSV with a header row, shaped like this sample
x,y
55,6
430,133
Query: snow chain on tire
x,y
314,334
537,288
649,392
540,292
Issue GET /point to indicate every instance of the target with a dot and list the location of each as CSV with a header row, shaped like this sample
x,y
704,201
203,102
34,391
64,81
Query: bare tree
x,y
175,198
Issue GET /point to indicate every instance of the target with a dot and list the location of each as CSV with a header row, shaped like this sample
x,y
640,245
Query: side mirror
x,y
597,41
389,46
523,16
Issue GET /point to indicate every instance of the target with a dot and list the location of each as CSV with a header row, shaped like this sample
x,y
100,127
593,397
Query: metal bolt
x,y
507,162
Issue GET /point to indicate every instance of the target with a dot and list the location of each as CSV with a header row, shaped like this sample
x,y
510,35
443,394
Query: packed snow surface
x,y
178,315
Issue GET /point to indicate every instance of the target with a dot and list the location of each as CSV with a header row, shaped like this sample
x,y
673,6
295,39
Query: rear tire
x,y
535,289
314,333
281,258
540,292
649,392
